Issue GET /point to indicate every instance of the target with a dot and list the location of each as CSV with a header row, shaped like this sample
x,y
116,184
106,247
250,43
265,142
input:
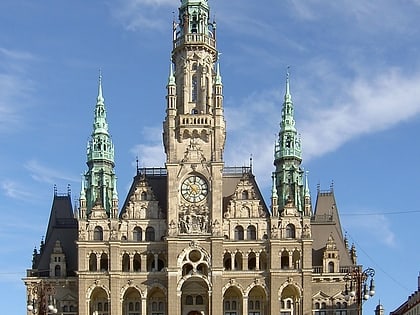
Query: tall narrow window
x,y
137,234
290,231
126,263
104,262
98,234
150,234
137,263
251,233
57,271
93,265
239,233
194,88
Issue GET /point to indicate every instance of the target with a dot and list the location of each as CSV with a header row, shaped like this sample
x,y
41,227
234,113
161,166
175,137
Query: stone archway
x,y
195,297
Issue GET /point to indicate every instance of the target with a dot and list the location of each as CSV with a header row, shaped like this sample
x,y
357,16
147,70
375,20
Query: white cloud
x,y
15,88
375,228
47,175
144,14
14,190
150,155
372,105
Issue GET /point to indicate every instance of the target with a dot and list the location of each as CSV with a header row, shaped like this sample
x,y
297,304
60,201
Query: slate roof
x,y
326,222
62,226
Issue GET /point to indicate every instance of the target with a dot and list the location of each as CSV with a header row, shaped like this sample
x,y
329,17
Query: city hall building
x,y
193,236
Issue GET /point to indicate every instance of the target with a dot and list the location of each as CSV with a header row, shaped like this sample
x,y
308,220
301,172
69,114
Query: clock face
x,y
194,189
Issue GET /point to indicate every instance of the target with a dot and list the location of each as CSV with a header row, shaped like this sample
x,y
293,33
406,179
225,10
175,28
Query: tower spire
x,y
287,157
99,183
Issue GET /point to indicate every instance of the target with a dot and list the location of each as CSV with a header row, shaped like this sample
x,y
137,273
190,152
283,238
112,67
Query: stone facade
x,y
194,236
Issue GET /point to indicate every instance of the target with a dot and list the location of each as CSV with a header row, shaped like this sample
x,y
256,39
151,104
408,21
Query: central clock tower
x,y
194,129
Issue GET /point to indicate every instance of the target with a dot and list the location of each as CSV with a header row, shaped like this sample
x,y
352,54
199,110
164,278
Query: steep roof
x,y
326,222
62,226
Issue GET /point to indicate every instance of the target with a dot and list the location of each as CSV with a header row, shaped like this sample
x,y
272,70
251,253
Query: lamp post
x,y
357,286
41,301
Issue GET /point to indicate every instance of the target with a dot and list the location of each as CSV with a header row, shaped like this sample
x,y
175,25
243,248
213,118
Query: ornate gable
x,y
142,203
245,202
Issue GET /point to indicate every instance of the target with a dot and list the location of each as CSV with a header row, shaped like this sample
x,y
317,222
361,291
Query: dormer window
x,y
57,271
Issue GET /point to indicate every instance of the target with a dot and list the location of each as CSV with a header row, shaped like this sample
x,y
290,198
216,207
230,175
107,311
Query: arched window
x,y
252,261
330,267
98,234
284,259
238,261
104,262
227,261
126,263
239,233
93,262
245,195
290,231
202,268
57,271
150,234
251,233
199,300
287,307
137,234
189,300
186,269
136,263
263,261
143,196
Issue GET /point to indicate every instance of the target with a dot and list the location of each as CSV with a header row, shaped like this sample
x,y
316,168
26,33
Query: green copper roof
x,y
289,143
99,184
288,180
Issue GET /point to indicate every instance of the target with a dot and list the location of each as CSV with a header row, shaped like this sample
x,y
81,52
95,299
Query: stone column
x,y
144,305
232,261
257,261
245,262
245,305
143,262
290,260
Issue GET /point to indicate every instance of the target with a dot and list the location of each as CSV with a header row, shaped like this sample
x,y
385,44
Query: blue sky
x,y
355,83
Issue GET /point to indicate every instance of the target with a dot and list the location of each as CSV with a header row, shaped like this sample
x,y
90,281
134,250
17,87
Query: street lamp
x,y
358,289
43,301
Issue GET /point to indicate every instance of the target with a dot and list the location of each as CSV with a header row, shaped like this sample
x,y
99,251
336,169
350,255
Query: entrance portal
x,y
194,313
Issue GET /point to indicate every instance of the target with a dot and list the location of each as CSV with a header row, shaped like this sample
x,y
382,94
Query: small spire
x,y
288,96
114,191
307,192
100,97
273,186
218,76
82,188
171,79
